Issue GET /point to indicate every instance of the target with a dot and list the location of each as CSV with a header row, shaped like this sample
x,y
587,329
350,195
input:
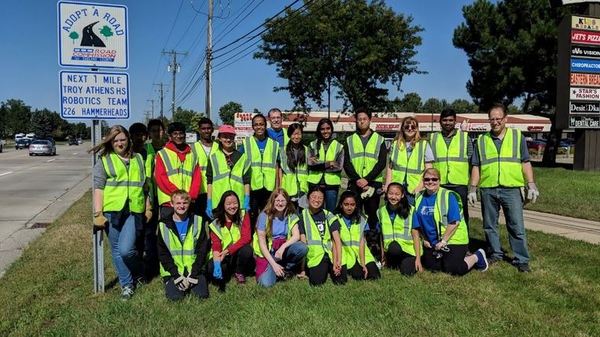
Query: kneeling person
x,y
182,250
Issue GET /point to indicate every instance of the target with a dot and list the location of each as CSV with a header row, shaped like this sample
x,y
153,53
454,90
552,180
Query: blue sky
x,y
30,62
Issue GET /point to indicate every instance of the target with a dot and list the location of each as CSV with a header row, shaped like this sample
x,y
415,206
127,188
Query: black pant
x,y
396,258
199,290
258,201
317,275
372,271
462,191
241,262
148,249
452,262
370,207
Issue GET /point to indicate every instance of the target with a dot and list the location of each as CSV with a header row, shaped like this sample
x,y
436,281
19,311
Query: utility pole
x,y
209,59
174,69
162,95
147,114
152,102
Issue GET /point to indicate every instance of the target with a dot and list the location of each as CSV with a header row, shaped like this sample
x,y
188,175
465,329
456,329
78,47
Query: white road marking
x,y
75,153
5,173
51,160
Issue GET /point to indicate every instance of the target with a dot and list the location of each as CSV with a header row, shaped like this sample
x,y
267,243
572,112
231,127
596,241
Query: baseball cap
x,y
225,128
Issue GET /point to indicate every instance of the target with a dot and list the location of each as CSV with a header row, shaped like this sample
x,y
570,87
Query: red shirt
x,y
162,180
244,239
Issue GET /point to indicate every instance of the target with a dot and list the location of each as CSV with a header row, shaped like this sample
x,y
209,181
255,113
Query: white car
x,y
42,146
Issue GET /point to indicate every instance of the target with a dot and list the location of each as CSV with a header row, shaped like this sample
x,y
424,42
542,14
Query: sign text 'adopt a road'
x,y
94,95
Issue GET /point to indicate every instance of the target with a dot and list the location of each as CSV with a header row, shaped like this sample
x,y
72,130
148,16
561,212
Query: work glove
x,y
209,208
368,193
246,201
472,196
191,281
217,272
148,214
100,220
181,283
532,192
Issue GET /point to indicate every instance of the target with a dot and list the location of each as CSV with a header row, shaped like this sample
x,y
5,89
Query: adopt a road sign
x,y
94,95
92,35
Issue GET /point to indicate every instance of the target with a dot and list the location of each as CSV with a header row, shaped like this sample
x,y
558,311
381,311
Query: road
x,y
34,191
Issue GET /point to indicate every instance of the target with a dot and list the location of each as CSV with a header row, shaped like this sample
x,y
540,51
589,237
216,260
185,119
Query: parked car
x,y
536,145
42,146
73,141
22,143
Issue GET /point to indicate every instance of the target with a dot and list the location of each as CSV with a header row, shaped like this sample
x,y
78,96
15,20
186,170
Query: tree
x,y
411,102
227,112
18,116
353,45
189,118
434,106
462,106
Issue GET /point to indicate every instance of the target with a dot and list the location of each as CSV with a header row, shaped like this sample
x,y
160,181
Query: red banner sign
x,y
590,80
585,37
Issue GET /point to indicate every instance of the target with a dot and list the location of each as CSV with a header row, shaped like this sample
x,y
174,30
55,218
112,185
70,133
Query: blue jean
x,y
511,201
331,199
291,257
122,235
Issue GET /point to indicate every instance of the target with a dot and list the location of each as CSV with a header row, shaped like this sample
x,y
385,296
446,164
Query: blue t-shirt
x,y
276,135
261,145
182,228
423,216
279,225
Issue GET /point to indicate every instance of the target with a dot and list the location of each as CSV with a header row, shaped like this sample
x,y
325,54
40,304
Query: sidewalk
x,y
572,228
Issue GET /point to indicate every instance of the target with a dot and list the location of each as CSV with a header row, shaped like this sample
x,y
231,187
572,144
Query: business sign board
x,y
588,80
585,51
92,35
94,95
585,65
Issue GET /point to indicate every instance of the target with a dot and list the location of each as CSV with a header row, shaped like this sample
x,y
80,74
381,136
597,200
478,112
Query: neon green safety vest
x,y
405,167
122,184
363,158
351,242
198,150
399,231
504,168
294,181
440,215
183,253
333,151
263,166
292,221
226,236
317,245
225,179
178,173
451,160
150,164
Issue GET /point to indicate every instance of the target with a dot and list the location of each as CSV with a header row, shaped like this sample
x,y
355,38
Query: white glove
x,y
532,192
181,283
191,281
472,196
368,193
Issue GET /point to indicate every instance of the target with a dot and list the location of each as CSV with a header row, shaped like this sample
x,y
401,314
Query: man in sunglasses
x,y
501,167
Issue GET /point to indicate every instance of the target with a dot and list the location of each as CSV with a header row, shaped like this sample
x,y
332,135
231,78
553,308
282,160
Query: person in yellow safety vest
x,y
395,219
294,169
263,155
120,203
277,132
501,167
452,152
409,156
277,249
203,149
325,163
231,251
227,169
357,258
176,169
439,220
366,155
183,247
320,230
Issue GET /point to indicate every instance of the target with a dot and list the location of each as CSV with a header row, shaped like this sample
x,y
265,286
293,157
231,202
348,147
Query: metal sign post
x,y
97,233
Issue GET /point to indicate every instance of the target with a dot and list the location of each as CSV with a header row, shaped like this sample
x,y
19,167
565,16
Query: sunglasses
x,y
410,127
431,179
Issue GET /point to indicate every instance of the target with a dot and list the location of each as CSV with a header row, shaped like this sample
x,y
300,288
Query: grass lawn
x,y
568,192
48,292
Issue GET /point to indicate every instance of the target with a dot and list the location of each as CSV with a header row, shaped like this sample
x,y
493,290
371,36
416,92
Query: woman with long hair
x,y
325,163
119,203
357,258
276,244
294,173
231,252
410,154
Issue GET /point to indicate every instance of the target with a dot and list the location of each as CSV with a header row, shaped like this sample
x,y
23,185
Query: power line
x,y
237,23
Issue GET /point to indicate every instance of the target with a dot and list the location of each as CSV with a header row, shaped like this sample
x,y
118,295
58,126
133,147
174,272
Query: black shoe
x,y
494,259
523,267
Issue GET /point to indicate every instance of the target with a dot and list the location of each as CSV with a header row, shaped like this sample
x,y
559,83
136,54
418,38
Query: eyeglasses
x,y
410,127
496,119
431,179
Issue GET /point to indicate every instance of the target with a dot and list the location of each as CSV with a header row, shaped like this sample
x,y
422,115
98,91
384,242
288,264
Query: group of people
x,y
211,211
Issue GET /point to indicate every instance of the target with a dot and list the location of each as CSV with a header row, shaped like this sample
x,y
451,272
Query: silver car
x,y
42,147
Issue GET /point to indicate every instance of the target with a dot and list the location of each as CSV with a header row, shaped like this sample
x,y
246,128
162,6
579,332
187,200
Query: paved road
x,y
37,190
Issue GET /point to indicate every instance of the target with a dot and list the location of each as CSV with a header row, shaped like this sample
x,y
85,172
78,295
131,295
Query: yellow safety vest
x,y
331,178
363,158
150,164
451,160
317,245
226,236
351,242
263,166
124,184
178,173
183,253
504,168
399,231
294,181
292,221
440,215
203,158
225,179
405,167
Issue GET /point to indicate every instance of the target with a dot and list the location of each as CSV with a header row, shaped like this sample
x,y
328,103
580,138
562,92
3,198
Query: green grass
x,y
48,292
568,192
